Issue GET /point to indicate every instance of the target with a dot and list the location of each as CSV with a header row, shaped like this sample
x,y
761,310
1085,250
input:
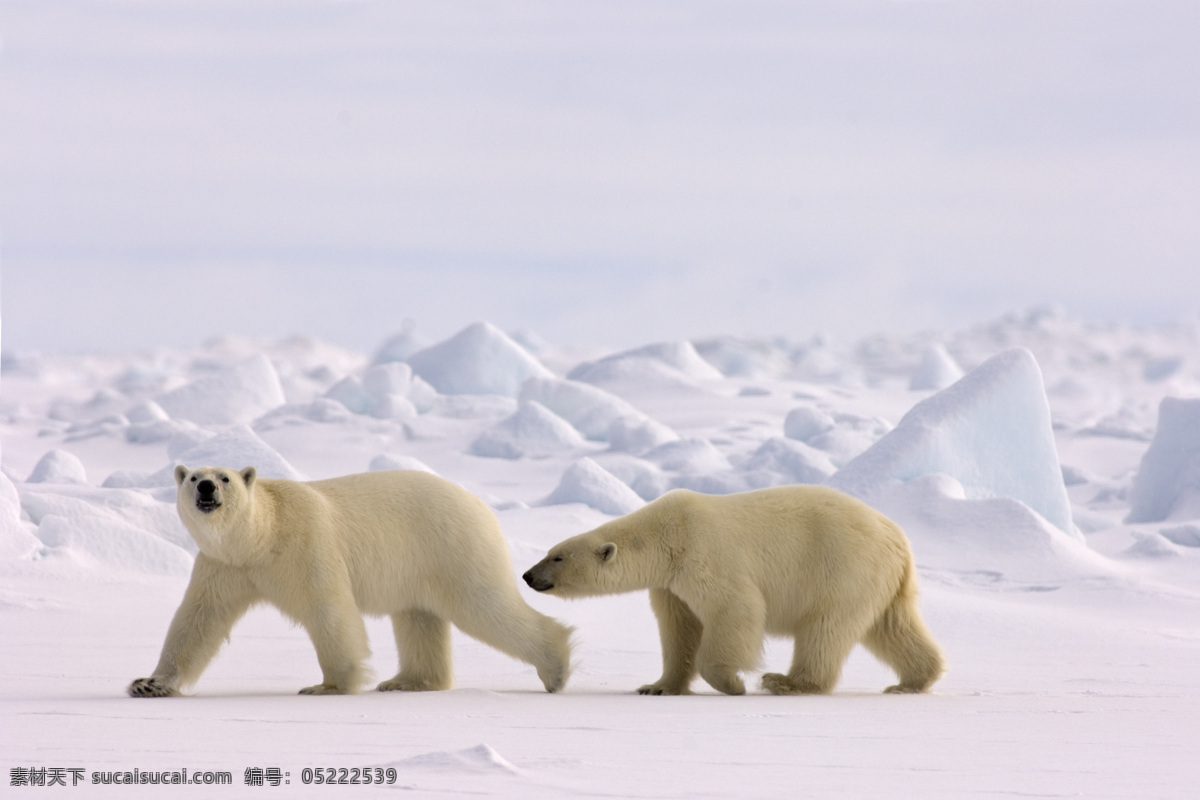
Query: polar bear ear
x,y
607,551
181,473
249,476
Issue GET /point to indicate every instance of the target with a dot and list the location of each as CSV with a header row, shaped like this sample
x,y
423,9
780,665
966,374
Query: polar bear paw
x,y
398,684
323,688
662,689
902,689
777,683
151,687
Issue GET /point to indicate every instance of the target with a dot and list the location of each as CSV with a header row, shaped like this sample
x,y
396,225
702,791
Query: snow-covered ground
x,y
1046,470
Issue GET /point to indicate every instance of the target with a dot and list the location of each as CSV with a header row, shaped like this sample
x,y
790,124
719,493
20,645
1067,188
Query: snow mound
x,y
688,455
638,434
1167,484
796,461
805,422
17,539
479,359
58,466
533,431
645,479
937,370
587,482
1183,535
385,391
386,461
1147,544
738,358
109,528
112,544
663,365
149,423
997,541
236,394
589,408
990,431
400,347
237,447
479,759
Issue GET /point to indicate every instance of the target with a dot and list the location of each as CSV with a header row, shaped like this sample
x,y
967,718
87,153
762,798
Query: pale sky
x,y
601,173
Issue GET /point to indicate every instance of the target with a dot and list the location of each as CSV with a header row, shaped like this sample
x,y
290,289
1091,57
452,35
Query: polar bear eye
x,y
558,558
194,479
224,479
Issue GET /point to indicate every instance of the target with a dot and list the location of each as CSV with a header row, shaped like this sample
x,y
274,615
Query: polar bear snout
x,y
538,583
208,497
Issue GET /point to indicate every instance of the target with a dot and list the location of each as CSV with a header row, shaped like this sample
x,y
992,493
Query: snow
x,y
58,466
587,482
590,409
1072,634
480,359
660,365
990,431
239,393
1167,485
533,431
936,371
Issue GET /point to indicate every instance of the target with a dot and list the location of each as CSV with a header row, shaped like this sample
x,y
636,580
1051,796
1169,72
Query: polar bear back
x,y
805,548
401,534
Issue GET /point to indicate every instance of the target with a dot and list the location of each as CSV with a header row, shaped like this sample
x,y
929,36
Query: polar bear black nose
x,y
206,488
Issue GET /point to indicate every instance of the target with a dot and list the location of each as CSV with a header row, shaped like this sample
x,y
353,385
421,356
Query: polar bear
x,y
403,543
806,562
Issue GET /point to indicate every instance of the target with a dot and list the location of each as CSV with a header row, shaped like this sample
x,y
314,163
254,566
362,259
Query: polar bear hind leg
x,y
821,648
423,639
499,617
900,639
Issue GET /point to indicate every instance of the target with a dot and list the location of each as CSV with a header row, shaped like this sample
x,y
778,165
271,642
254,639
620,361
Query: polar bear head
x,y
582,566
216,504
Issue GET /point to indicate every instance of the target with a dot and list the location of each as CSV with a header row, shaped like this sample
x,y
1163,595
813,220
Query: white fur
x,y
402,543
724,571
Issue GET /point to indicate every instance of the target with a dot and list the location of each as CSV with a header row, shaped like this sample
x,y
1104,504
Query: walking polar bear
x,y
723,571
403,543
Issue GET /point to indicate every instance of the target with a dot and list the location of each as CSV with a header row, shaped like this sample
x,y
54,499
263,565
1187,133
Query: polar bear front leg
x,y
216,597
732,641
340,638
680,631
423,639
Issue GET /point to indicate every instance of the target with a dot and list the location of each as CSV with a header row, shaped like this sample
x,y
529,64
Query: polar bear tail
x,y
900,639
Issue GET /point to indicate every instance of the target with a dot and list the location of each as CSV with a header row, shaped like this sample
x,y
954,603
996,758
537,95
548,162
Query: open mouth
x,y
208,505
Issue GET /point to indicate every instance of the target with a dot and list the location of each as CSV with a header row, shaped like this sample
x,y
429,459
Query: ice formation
x,y
688,455
533,431
805,422
990,431
1167,485
937,370
662,365
385,391
236,447
590,409
638,434
587,482
479,359
58,466
795,461
385,461
240,393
